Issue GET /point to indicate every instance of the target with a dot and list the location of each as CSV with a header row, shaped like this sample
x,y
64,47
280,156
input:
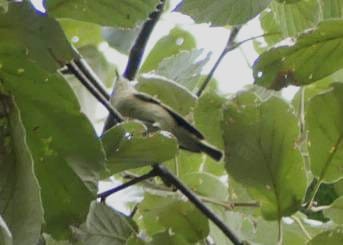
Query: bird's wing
x,y
177,117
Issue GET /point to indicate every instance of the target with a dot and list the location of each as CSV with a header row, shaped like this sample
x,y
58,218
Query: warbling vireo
x,y
137,105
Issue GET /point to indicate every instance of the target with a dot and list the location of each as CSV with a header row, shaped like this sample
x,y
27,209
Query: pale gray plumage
x,y
137,105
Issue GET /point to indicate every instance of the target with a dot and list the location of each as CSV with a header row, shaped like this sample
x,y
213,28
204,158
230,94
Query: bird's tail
x,y
210,150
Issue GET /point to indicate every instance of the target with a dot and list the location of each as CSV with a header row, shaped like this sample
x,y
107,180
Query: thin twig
x,y
229,205
105,194
235,45
137,51
228,47
313,195
245,57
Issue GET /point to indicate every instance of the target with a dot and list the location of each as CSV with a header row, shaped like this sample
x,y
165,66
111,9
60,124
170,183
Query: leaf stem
x,y
313,194
230,45
302,227
280,233
228,205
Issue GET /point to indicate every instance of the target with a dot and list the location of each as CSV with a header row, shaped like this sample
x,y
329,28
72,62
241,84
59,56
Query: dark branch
x,y
169,177
230,45
137,51
88,72
73,68
104,195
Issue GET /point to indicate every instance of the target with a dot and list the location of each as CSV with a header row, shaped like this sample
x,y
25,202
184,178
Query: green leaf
x,y
169,213
208,117
293,19
121,39
176,41
24,32
81,33
239,193
67,154
184,68
206,185
335,211
300,64
168,239
270,28
50,241
185,162
5,234
332,237
169,92
105,12
289,20
331,8
105,226
127,146
260,153
134,240
263,232
324,117
3,6
20,203
224,12
339,187
310,91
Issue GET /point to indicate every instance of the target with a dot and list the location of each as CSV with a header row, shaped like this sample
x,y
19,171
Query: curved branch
x,y
230,45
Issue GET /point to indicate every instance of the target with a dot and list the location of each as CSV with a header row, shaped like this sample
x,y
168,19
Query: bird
x,y
133,104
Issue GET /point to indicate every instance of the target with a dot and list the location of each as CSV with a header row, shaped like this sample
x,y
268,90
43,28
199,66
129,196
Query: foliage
x,y
283,159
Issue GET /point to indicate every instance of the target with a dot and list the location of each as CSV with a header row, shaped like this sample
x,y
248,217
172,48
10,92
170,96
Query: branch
x,y
230,45
253,38
105,194
169,177
137,51
88,72
93,90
